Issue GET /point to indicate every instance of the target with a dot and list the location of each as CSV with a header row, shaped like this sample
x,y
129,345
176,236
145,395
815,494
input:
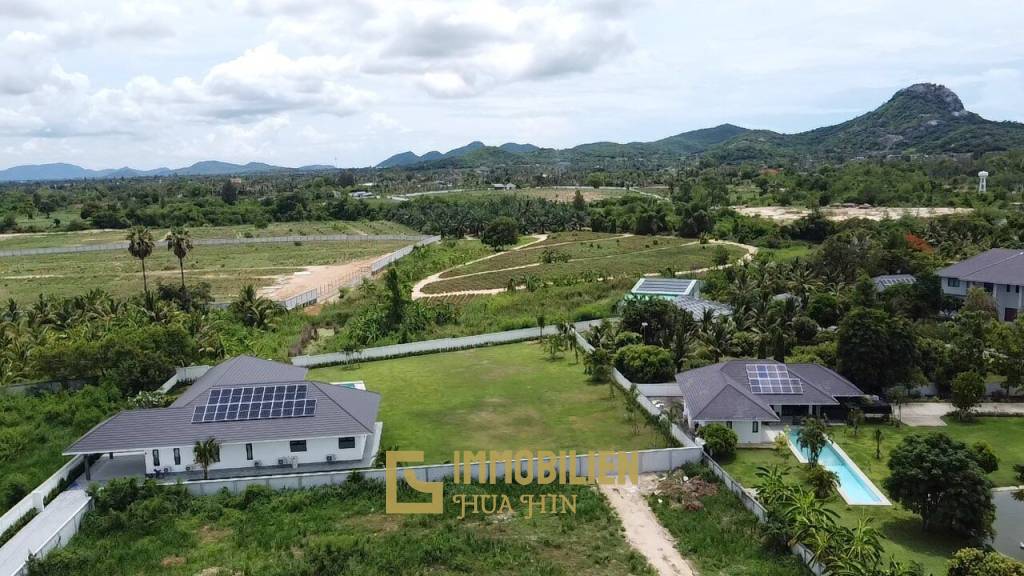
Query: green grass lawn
x,y
905,539
226,268
344,530
497,398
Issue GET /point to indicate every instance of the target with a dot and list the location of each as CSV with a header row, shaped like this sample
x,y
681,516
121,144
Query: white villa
x,y
749,396
999,271
266,416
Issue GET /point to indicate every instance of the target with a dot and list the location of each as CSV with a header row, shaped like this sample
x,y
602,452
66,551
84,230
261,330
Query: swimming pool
x,y
854,486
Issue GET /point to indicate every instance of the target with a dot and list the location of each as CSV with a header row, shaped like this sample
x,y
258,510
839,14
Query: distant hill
x,y
60,171
920,119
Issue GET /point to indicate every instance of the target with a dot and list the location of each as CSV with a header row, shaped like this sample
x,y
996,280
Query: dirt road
x,y
643,531
329,278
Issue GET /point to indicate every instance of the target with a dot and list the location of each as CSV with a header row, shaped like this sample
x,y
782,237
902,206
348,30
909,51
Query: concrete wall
x,y
744,431
659,460
36,499
267,453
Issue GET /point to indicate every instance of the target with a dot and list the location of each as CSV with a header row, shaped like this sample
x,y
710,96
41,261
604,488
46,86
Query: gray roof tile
x,y
997,266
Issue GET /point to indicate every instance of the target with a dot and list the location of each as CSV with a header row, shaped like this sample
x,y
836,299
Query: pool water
x,y
853,485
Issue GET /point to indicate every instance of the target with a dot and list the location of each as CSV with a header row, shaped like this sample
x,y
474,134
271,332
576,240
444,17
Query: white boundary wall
x,y
658,460
37,497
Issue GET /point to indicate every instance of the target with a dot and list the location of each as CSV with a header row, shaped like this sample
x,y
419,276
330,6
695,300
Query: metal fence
x,y
430,346
226,241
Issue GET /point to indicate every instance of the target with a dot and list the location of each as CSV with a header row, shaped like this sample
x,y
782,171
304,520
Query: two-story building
x,y
999,271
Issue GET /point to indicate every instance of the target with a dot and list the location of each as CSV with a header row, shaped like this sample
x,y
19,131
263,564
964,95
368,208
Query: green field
x,y
87,237
905,539
497,398
344,530
226,268
612,258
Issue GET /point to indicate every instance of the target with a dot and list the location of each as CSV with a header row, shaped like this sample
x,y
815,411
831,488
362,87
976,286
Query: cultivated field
x,y
87,237
227,268
581,254
498,398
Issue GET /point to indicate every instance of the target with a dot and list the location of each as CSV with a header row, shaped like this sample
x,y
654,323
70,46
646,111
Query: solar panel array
x,y
663,286
255,403
883,282
772,379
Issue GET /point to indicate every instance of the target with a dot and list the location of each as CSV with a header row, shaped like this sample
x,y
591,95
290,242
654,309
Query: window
x,y
1017,289
988,287
177,457
953,282
248,451
346,442
297,445
755,427
156,457
729,425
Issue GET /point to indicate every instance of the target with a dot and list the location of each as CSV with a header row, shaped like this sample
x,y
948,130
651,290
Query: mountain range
x,y
62,171
919,119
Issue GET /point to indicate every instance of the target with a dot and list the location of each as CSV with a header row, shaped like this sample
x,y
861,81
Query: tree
x,y
980,301
140,245
501,232
719,441
855,418
206,452
642,363
897,396
553,345
598,364
179,241
229,192
253,310
541,322
1007,341
878,443
985,457
874,349
967,392
813,438
822,480
395,299
937,478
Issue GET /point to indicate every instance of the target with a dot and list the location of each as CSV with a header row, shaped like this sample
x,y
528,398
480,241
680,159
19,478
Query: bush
x,y
624,339
719,441
822,480
968,390
975,562
642,363
985,457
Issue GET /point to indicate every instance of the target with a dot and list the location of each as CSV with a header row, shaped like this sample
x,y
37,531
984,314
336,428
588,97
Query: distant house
x,y
664,288
889,280
266,416
361,194
749,396
999,271
698,307
498,186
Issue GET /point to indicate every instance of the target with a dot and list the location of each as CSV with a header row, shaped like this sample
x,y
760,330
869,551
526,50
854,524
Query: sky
x,y
106,84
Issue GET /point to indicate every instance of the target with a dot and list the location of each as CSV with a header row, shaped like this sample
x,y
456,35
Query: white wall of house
x,y
1006,296
234,455
744,430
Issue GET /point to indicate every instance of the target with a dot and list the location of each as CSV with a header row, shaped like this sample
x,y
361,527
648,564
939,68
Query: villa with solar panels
x,y
684,293
999,271
756,397
266,416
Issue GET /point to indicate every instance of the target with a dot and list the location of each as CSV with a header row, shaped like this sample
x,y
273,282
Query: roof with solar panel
x,y
667,288
740,390
889,280
244,399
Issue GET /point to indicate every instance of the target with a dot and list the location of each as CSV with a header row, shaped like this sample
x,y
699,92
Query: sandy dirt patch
x,y
326,278
643,531
786,214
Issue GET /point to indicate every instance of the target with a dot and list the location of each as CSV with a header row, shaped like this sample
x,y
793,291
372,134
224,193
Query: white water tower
x,y
982,177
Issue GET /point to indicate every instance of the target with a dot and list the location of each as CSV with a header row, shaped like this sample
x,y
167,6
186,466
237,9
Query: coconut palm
x,y
140,245
206,452
179,241
813,438
253,310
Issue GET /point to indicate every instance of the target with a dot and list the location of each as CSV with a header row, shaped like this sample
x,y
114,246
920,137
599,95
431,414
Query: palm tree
x,y
813,438
179,241
206,452
255,311
140,245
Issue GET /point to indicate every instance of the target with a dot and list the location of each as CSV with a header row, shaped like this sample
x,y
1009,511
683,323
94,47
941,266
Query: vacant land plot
x,y
631,256
497,398
344,530
87,237
226,268
904,537
786,214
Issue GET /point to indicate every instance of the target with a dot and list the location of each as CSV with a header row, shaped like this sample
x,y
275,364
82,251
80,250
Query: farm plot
x,y
641,258
226,268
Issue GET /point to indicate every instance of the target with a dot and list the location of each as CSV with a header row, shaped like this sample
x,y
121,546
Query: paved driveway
x,y
931,413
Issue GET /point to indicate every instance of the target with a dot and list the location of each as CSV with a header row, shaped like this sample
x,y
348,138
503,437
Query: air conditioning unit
x,y
257,464
330,457
188,468
282,461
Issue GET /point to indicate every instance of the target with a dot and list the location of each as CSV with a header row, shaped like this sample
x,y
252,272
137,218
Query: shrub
x,y
627,338
642,363
985,457
967,392
975,562
719,441
822,480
